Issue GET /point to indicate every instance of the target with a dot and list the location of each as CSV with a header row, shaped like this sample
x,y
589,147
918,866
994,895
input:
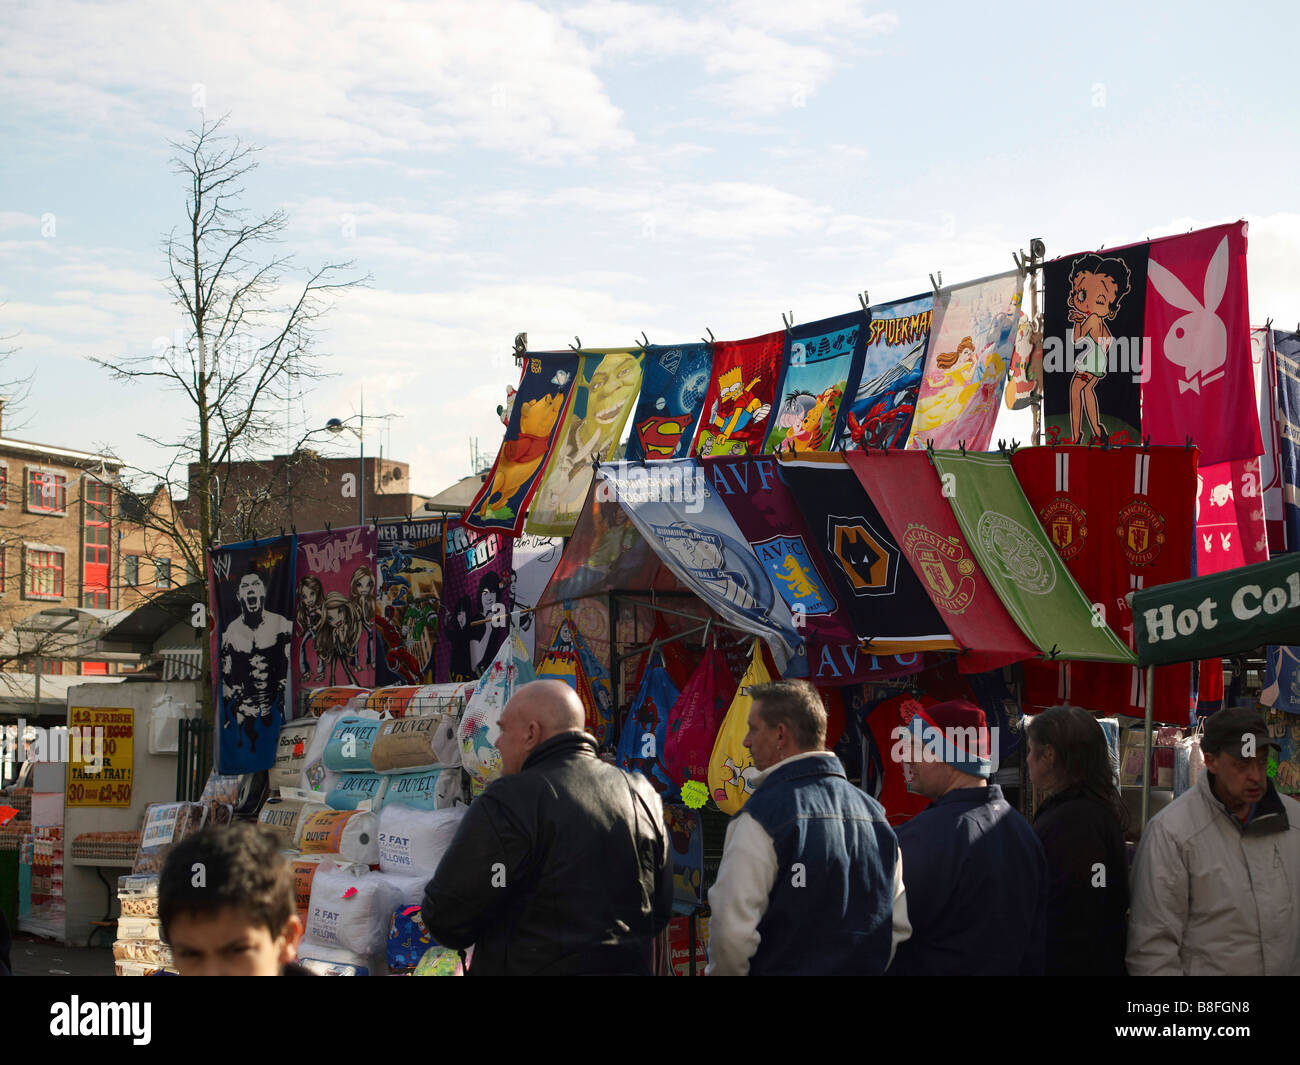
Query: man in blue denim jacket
x,y
810,881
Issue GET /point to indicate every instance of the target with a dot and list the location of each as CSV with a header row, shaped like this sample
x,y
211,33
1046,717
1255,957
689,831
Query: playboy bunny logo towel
x,y
1198,326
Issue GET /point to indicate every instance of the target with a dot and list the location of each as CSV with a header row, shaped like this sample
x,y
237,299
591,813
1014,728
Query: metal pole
x,y
40,664
361,493
1146,745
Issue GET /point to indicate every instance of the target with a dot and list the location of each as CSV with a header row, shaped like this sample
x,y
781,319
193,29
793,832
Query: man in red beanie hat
x,y
974,871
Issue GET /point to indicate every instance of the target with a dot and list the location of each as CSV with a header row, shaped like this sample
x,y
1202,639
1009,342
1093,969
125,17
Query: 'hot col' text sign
x,y
1207,617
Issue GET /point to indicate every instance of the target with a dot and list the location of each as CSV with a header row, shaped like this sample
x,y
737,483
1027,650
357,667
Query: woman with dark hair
x,y
459,636
1080,822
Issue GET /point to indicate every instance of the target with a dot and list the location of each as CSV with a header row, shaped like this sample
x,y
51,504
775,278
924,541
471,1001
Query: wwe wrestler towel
x,y
250,595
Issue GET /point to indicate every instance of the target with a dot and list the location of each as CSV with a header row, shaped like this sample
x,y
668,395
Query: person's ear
x,y
290,937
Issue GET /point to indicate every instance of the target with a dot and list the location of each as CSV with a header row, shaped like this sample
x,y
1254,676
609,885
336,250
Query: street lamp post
x,y
336,425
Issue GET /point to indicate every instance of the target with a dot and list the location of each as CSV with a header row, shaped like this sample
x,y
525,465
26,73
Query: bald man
x,y
560,867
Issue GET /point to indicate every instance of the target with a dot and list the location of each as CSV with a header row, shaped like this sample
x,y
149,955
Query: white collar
x,y
758,778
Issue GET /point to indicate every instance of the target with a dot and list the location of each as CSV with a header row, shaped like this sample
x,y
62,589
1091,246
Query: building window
x,y
3,555
192,574
95,600
49,666
4,485
43,573
162,572
47,491
131,569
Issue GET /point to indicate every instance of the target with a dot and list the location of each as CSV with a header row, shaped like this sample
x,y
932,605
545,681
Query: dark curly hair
x,y
1082,754
1115,269
243,870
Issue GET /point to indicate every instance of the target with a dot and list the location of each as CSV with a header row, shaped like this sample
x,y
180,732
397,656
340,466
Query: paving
x,y
43,957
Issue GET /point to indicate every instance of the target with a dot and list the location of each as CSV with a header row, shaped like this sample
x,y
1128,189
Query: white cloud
x,y
330,81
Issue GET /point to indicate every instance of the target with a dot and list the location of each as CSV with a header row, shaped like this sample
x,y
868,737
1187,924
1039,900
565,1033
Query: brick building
x,y
155,547
304,490
57,520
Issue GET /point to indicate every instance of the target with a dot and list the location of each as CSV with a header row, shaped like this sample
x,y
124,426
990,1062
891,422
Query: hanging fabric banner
x,y
766,514
881,397
695,718
970,349
696,537
534,560
1230,529
250,599
545,388
565,661
1093,349
1019,562
334,637
1238,610
608,379
909,496
1263,360
741,392
885,600
1286,348
1282,679
410,598
672,395
645,729
1198,319
731,765
476,602
1120,519
1025,379
823,357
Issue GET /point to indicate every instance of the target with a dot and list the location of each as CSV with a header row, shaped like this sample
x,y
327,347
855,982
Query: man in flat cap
x,y
1216,884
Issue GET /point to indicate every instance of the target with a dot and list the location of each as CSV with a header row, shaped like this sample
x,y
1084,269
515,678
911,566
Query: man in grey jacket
x,y
1216,884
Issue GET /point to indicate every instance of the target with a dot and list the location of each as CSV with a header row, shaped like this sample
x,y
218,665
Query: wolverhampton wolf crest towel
x,y
251,600
545,388
676,379
823,357
742,389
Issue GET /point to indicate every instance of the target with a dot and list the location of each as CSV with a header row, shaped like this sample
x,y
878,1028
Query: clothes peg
x,y
789,322
576,345
645,341
710,341
327,526
865,300
936,284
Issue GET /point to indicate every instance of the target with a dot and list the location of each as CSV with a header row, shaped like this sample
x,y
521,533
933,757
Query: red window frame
x,y
4,485
47,491
37,562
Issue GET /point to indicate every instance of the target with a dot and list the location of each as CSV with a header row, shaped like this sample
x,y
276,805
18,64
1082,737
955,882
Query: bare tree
x,y
248,346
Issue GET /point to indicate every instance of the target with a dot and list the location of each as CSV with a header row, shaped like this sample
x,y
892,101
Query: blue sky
x,y
602,168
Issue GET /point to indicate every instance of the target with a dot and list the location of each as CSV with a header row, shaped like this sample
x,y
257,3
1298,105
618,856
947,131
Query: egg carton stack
x,y
369,795
139,949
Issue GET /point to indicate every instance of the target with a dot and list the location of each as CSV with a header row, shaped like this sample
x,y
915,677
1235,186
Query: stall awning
x,y
1208,617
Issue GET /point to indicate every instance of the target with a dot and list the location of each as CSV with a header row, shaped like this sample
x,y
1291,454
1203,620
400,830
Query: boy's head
x,y
226,905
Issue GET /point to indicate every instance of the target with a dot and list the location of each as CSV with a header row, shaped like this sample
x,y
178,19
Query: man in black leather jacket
x,y
561,866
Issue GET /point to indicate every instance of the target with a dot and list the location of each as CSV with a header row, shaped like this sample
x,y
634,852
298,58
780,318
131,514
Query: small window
x,y
192,575
162,572
47,491
131,569
43,573
4,485
95,600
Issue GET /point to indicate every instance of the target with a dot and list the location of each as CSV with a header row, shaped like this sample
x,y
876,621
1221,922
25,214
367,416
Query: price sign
x,y
101,755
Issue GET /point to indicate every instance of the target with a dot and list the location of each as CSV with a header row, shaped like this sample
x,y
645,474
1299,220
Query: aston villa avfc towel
x,y
1011,548
603,395
969,354
741,392
1120,519
907,492
545,388
676,379
250,592
766,513
1198,319
1093,325
881,397
870,574
823,357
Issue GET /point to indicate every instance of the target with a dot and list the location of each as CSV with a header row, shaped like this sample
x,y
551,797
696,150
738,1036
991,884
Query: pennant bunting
x,y
545,388
1011,548
970,350
881,398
